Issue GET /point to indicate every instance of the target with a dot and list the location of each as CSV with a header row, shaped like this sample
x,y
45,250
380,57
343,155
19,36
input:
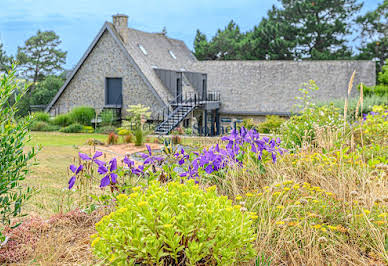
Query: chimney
x,y
120,22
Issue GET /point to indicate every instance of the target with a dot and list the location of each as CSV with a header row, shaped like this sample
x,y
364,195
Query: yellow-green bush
x,y
271,124
172,224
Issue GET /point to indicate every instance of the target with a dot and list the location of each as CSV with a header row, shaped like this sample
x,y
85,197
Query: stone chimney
x,y
120,22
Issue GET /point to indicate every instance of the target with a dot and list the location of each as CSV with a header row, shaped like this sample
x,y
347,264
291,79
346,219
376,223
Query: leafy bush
x,y
175,224
380,89
106,129
87,129
83,115
188,131
43,126
112,138
139,137
14,160
271,124
73,128
107,117
123,132
62,120
41,116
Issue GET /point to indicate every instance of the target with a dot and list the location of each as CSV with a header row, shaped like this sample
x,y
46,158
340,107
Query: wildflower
x,y
189,205
133,195
286,189
229,209
122,197
97,154
259,194
149,158
380,222
280,207
254,217
249,194
382,215
167,225
182,156
317,226
303,201
292,223
243,209
297,202
110,177
296,187
276,193
323,229
237,207
367,211
354,193
142,203
95,241
280,223
76,171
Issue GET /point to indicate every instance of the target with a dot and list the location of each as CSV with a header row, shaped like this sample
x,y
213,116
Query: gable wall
x,y
87,88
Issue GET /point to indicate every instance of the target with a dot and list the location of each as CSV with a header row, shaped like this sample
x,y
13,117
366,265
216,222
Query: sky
x,y
78,21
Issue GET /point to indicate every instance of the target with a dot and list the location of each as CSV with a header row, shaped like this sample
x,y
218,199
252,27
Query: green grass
x,y
63,139
50,176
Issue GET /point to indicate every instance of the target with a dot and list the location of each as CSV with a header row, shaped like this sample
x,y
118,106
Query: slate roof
x,y
270,87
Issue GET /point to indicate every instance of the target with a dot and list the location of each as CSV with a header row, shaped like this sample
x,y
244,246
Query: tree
x,y
5,61
374,35
320,26
41,56
272,39
46,90
201,46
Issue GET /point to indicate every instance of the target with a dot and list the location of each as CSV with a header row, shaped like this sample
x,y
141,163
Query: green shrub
x,y
87,129
83,115
188,131
62,120
73,128
106,130
41,116
38,126
175,224
123,132
107,117
139,137
14,159
271,124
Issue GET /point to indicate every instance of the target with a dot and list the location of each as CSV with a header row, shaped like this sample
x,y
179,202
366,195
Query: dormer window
x,y
172,54
142,49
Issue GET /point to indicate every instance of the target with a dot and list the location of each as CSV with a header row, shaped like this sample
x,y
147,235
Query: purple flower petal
x,y
105,181
209,169
71,182
84,156
102,170
128,162
143,155
98,162
113,177
113,164
79,169
181,161
97,154
73,168
149,149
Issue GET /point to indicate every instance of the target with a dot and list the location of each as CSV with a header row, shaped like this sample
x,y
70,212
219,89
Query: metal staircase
x,y
180,108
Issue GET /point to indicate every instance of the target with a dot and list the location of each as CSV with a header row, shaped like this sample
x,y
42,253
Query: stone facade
x,y
253,88
87,88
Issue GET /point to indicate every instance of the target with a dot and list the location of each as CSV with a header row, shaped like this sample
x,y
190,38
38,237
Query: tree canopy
x,y
41,56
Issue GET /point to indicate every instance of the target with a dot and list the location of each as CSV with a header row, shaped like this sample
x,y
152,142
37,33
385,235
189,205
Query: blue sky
x,y
78,21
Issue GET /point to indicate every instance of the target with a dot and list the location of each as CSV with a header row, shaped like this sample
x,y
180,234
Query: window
x,y
142,49
172,54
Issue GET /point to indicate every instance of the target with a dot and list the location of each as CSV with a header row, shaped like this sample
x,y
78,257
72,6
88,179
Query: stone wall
x,y
87,88
265,87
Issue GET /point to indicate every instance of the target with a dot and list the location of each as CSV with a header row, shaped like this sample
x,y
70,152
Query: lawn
x,y
50,176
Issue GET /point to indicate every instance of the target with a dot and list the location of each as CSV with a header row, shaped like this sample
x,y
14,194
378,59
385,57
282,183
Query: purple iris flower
x,y
149,158
131,165
181,156
76,171
85,157
110,177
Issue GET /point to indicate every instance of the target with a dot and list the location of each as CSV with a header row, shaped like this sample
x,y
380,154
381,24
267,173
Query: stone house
x,y
125,66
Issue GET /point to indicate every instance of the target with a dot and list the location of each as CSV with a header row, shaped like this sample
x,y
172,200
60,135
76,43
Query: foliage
x,y
41,116
271,124
301,129
72,128
45,90
87,129
139,137
192,226
188,131
5,61
176,139
62,120
138,114
106,129
107,117
112,139
14,160
123,132
374,127
39,126
380,89
82,115
374,35
40,55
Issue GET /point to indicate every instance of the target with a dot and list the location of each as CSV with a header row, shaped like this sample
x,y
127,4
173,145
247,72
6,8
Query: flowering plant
x,y
175,224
